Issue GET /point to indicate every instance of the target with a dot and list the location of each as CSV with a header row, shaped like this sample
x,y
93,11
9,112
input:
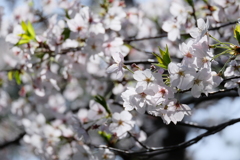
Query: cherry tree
x,y
89,83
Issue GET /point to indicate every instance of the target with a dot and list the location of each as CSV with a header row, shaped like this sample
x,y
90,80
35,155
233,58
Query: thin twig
x,y
193,125
143,145
149,61
194,14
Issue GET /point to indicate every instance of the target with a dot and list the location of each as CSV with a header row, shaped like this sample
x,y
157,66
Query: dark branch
x,y
194,14
12,142
212,130
144,146
149,61
183,34
152,151
193,125
215,95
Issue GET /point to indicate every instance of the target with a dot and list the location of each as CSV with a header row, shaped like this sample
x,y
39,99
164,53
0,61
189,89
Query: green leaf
x,y
190,2
17,77
23,41
10,75
24,26
165,55
30,29
28,35
163,58
205,1
67,15
105,135
159,58
161,65
66,33
101,100
237,33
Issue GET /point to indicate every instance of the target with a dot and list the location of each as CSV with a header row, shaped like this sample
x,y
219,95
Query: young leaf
x,y
17,77
101,100
10,75
66,33
28,35
30,30
165,55
23,41
159,58
24,26
105,135
190,2
237,33
163,58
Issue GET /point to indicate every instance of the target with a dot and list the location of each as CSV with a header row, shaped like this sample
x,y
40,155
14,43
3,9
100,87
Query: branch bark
x,y
183,34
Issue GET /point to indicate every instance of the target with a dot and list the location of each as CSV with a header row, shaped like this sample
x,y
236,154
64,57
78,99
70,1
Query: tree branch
x,y
148,61
212,130
152,151
193,125
183,34
214,95
14,141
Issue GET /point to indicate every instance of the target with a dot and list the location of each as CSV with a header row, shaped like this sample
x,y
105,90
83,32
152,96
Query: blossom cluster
x,y
74,91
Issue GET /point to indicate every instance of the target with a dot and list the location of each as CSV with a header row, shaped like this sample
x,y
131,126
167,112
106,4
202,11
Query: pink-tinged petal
x,y
113,126
126,115
78,20
128,125
112,68
173,68
183,48
174,34
115,25
118,57
139,89
147,73
127,106
178,116
117,42
167,26
166,118
119,74
186,82
194,32
39,92
196,91
149,92
116,116
71,24
201,24
141,86
175,80
141,110
204,74
139,76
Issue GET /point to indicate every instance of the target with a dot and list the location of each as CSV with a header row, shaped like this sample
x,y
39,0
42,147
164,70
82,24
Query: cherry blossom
x,y
173,29
118,66
202,29
181,76
121,123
